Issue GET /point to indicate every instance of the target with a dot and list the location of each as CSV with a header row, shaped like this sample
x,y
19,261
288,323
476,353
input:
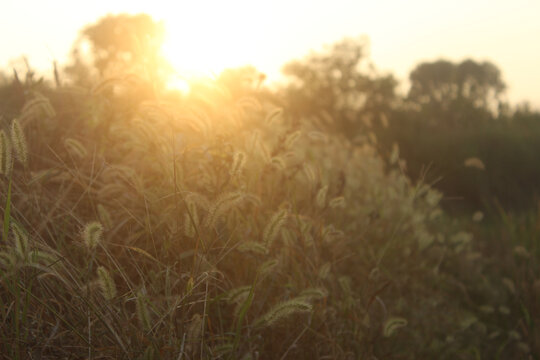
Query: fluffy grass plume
x,y
106,283
237,295
268,267
318,136
5,153
272,228
239,160
278,162
264,152
273,115
19,142
337,202
74,147
21,240
223,203
392,324
474,162
253,247
310,174
321,196
313,293
324,270
92,234
38,106
284,310
330,233
291,139
199,200
477,216
522,252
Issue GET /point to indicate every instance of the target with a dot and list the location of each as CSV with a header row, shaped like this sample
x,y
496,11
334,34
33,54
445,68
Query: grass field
x,y
217,226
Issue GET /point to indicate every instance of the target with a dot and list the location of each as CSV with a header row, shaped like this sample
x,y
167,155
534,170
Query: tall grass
x,y
215,226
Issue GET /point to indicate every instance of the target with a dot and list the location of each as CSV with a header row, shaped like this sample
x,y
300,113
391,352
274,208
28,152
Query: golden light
x,y
202,42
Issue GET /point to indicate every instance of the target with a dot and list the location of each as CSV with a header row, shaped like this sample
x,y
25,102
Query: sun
x,y
204,38
203,43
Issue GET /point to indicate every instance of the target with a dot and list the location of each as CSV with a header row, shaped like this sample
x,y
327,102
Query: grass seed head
x,y
21,240
392,324
253,247
5,153
238,295
268,267
272,229
75,148
239,160
284,310
324,271
314,293
337,202
92,234
223,203
106,283
291,139
321,196
19,142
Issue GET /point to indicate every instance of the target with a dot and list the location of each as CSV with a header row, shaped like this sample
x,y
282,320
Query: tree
x,y
120,44
339,83
443,85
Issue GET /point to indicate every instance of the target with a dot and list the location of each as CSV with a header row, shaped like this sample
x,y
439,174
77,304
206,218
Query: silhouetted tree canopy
x,y
340,83
121,43
442,84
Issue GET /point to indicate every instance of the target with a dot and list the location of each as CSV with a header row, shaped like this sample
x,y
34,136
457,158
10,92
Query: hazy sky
x,y
210,35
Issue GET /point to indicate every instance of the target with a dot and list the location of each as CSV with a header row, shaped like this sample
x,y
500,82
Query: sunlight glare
x,y
202,46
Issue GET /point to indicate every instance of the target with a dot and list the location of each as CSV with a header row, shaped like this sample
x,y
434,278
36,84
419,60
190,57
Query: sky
x,y
207,36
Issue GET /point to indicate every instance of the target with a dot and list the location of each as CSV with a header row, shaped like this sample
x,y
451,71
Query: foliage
x,y
443,85
453,111
145,224
340,85
119,44
180,221
436,151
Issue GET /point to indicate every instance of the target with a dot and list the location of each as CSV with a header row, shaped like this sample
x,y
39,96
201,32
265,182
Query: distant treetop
x,y
119,43
442,83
